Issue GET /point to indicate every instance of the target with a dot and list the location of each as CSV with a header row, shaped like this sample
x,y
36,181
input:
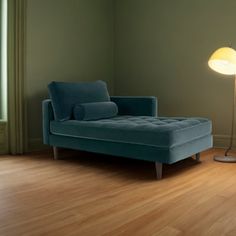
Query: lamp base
x,y
229,159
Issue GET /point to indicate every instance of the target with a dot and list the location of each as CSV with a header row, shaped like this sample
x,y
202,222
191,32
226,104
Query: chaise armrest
x,y
47,117
136,106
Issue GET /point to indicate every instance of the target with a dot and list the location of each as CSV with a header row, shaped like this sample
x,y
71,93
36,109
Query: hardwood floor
x,y
90,194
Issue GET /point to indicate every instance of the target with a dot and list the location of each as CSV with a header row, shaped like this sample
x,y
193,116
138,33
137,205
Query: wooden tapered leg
x,y
158,170
197,157
55,153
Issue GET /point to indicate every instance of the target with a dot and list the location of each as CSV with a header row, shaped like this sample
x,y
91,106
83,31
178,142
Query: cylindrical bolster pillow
x,y
95,110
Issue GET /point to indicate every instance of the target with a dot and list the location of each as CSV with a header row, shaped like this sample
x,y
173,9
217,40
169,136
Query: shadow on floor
x,y
122,167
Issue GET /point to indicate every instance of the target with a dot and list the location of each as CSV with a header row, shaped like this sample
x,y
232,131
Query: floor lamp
x,y
223,61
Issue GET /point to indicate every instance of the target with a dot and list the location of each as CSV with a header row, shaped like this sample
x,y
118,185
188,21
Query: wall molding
x,y
3,138
36,144
222,141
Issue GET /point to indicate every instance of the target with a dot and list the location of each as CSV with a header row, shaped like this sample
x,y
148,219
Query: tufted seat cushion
x,y
145,130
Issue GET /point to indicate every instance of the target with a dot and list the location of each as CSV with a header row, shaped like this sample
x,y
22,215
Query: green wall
x,y
66,40
162,48
140,47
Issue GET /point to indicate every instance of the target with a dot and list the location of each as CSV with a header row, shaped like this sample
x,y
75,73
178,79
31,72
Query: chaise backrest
x,y
65,96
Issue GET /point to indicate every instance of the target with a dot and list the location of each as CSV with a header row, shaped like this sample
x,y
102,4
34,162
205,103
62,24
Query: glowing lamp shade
x,y
223,61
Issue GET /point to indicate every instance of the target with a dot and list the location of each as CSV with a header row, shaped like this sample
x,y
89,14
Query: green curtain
x,y
16,91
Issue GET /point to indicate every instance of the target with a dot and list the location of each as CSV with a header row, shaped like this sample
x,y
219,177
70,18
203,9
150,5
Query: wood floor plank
x,y
168,231
89,194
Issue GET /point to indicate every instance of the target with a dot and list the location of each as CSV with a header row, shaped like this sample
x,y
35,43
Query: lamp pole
x,y
223,61
233,121
227,158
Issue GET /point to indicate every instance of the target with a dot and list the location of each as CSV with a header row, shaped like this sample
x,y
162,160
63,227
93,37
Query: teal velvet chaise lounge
x,y
83,116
